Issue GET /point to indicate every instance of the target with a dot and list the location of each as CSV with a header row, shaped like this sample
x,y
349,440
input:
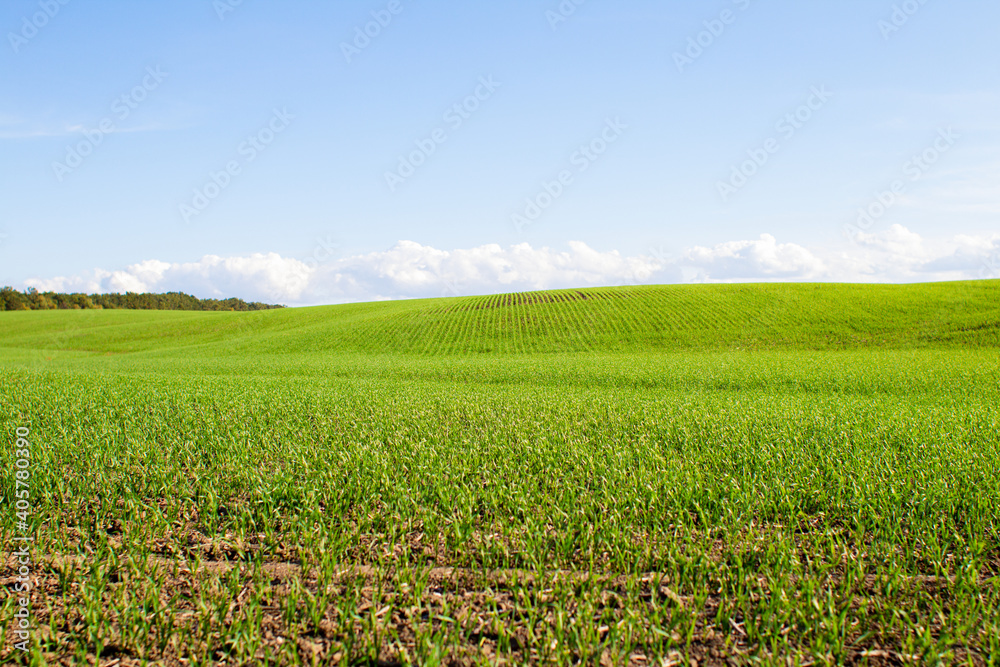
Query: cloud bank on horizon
x,y
412,270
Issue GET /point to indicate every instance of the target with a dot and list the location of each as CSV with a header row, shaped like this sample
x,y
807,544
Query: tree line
x,y
32,299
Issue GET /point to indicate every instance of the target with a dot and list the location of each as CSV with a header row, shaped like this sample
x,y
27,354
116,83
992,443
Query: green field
x,y
731,474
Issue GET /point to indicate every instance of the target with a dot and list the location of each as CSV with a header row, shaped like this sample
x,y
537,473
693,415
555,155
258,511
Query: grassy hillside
x,y
732,474
624,319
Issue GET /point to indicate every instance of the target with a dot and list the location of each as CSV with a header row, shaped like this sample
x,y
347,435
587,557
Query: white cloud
x,y
15,128
409,269
899,255
897,240
267,277
754,260
412,270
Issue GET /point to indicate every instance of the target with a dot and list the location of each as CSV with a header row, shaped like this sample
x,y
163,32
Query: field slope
x,y
622,319
725,474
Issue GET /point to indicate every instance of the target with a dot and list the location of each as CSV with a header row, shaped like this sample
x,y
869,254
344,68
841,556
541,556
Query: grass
x,y
753,474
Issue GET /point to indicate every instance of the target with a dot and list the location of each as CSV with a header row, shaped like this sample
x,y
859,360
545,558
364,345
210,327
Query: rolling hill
x,y
614,319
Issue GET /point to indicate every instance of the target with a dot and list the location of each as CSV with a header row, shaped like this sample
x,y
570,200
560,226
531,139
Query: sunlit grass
x,y
257,495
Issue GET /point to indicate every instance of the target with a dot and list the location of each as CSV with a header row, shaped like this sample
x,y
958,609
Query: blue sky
x,y
696,141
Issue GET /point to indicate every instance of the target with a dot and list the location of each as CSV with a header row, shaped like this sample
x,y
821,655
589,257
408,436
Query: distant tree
x,y
38,301
12,299
32,299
